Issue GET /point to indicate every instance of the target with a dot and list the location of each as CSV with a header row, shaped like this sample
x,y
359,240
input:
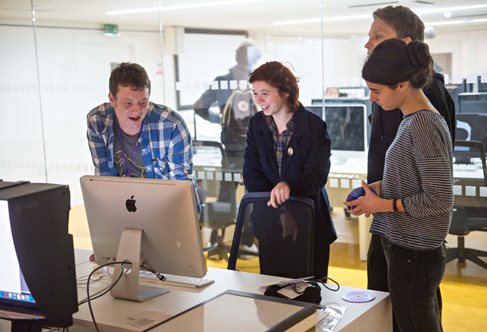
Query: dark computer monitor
x,y
316,109
38,279
472,102
347,128
152,223
472,127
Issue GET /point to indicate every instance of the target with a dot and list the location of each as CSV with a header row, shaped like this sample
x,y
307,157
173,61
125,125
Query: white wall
x,y
74,70
343,61
469,53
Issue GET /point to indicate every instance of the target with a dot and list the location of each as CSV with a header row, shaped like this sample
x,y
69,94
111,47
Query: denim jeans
x,y
414,277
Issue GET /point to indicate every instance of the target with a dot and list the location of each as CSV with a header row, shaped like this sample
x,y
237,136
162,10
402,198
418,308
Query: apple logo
x,y
130,204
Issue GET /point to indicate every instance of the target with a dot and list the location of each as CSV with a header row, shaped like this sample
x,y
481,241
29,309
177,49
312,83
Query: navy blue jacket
x,y
305,170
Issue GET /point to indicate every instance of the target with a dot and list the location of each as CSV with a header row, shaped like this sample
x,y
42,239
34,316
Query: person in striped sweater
x,y
412,204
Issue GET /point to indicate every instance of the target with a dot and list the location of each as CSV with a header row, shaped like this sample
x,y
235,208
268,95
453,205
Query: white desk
x,y
372,316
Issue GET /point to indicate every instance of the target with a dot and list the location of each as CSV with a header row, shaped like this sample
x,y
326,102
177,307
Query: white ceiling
x,y
252,16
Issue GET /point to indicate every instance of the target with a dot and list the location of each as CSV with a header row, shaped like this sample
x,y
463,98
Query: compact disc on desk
x,y
358,296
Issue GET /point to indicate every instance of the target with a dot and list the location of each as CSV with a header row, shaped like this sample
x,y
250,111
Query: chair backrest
x,y
466,151
216,183
469,213
272,241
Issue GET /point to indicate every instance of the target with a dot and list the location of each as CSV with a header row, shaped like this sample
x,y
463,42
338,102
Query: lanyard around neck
x,y
126,169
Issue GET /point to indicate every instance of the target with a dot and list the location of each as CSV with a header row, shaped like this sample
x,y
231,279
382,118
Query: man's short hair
x,y
403,21
129,74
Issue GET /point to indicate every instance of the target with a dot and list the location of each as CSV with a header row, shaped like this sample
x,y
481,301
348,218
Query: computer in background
x,y
472,102
472,127
347,128
152,223
37,279
316,109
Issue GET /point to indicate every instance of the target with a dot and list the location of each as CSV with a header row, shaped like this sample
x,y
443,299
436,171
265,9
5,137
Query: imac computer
x,y
151,223
38,279
347,128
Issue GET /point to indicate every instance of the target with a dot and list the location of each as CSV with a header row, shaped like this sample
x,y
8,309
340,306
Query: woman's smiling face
x,y
268,98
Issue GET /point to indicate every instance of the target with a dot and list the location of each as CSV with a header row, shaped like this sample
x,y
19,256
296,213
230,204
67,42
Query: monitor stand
x,y
128,287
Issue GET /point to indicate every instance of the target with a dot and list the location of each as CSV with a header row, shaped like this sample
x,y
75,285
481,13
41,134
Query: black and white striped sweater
x,y
419,171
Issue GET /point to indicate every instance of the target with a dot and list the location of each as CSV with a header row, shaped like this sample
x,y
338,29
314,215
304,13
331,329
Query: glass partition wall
x,y
56,57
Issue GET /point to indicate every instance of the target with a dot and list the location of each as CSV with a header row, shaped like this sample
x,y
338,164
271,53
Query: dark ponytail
x,y
420,58
393,61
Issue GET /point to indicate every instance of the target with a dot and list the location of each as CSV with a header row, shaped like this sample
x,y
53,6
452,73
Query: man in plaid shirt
x,y
133,137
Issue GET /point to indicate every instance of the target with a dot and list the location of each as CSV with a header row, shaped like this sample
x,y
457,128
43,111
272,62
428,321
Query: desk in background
x,y
469,192
372,316
468,188
342,179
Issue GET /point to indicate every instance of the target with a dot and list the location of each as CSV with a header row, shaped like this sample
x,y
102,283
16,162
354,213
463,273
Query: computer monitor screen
x,y
471,102
38,280
13,288
347,128
316,109
164,211
472,127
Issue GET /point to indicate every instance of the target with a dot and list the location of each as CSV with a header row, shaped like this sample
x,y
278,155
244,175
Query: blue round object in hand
x,y
356,193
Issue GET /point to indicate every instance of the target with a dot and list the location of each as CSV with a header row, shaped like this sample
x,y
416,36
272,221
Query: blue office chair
x,y
470,218
284,238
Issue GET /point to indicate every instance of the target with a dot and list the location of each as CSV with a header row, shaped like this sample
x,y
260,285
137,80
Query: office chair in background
x,y
466,219
284,237
217,194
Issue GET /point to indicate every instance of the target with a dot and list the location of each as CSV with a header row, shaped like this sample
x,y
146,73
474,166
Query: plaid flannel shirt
x,y
280,140
165,143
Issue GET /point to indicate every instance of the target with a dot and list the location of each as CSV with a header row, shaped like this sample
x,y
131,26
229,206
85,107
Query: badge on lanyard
x,y
290,151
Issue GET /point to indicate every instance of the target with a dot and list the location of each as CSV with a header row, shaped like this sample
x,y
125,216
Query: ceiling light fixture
x,y
327,19
419,11
177,7
422,11
455,22
441,23
447,14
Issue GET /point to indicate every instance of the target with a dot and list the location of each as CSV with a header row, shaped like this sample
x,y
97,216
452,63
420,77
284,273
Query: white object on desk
x,y
239,311
175,280
111,313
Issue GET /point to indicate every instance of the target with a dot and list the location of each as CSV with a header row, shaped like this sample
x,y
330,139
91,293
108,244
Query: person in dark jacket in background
x,y
396,22
288,152
247,55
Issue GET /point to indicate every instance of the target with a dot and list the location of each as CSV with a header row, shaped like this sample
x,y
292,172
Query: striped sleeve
x,y
434,165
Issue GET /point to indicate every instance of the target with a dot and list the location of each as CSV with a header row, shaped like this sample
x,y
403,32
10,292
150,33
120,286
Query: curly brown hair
x,y
280,77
